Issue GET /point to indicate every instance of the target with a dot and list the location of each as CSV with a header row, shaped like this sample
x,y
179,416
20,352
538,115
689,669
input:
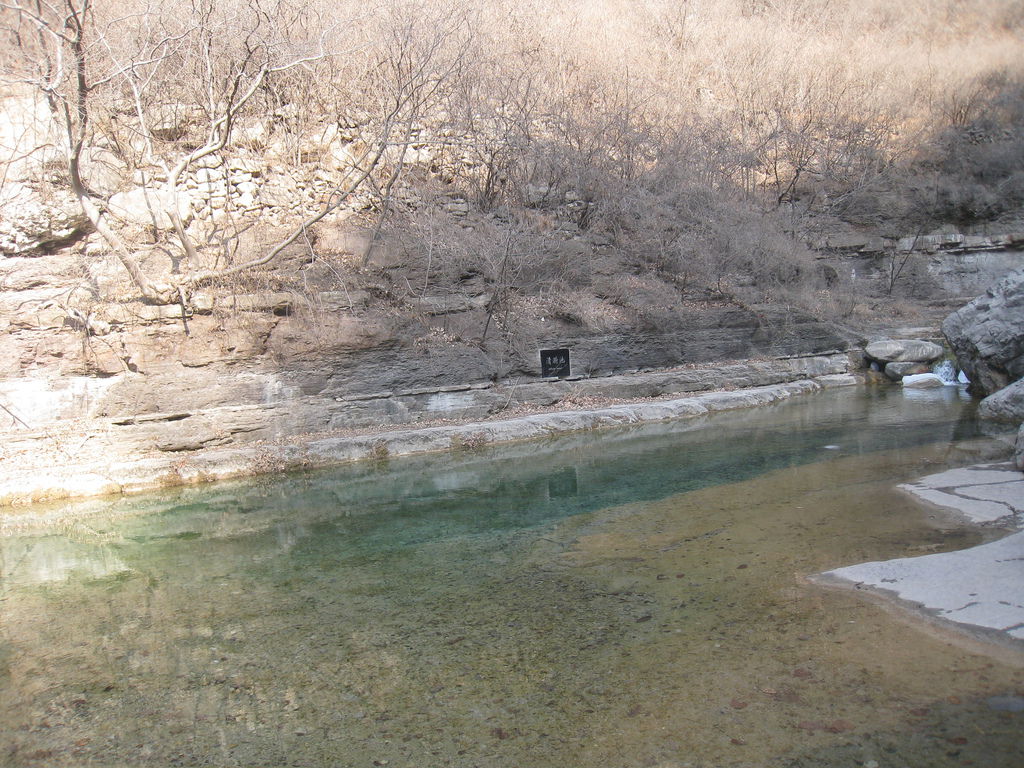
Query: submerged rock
x,y
896,371
1008,703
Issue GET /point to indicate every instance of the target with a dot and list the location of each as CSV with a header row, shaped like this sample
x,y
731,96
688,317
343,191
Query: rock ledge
x,y
112,477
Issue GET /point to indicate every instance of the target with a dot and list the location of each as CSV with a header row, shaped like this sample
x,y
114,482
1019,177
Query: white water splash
x,y
946,371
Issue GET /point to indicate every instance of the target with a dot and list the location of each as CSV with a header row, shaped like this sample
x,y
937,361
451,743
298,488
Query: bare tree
x,y
418,60
111,80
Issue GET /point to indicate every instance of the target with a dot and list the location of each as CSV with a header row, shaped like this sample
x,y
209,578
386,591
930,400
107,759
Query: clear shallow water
x,y
628,597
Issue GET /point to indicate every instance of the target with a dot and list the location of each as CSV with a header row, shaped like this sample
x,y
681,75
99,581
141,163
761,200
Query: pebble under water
x,y
628,597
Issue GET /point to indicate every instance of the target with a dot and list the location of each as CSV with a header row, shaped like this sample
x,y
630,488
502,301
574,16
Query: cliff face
x,y
128,360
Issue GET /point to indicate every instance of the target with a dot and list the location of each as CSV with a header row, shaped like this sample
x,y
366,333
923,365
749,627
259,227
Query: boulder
x,y
845,241
148,207
923,381
987,336
896,371
104,171
34,220
170,122
903,351
1005,405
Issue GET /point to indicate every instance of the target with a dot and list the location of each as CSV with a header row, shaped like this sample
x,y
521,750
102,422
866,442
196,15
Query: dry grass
x,y
901,67
700,137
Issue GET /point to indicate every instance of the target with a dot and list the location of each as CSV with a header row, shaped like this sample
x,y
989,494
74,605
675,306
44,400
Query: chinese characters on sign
x,y
554,362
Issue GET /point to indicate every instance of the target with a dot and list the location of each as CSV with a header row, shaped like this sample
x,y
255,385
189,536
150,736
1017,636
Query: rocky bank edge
x,y
981,588
121,475
987,337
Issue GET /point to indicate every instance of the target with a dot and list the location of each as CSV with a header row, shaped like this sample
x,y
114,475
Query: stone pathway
x,y
979,587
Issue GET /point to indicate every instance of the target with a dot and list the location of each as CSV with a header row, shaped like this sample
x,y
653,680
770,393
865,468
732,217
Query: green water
x,y
621,598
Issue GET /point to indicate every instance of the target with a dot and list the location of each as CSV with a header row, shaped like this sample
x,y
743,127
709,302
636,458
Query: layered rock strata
x,y
100,473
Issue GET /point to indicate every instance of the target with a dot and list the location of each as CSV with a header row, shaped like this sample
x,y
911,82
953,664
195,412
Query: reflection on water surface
x,y
626,597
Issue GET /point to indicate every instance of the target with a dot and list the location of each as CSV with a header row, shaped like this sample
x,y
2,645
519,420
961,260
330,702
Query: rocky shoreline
x,y
977,591
119,475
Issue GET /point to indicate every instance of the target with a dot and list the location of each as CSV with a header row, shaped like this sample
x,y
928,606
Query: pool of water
x,y
631,597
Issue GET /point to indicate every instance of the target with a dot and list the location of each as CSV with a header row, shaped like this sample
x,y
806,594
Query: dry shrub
x,y
697,139
966,173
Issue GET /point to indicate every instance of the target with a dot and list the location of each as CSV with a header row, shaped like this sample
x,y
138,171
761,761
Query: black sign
x,y
554,362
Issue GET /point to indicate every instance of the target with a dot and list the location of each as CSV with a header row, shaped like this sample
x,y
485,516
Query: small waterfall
x,y
946,371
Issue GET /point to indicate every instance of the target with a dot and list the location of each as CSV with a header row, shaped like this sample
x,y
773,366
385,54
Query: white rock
x,y
253,134
984,474
26,123
209,174
982,586
923,381
44,402
245,201
210,161
149,207
245,165
30,219
976,510
418,156
104,172
342,157
210,188
146,177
